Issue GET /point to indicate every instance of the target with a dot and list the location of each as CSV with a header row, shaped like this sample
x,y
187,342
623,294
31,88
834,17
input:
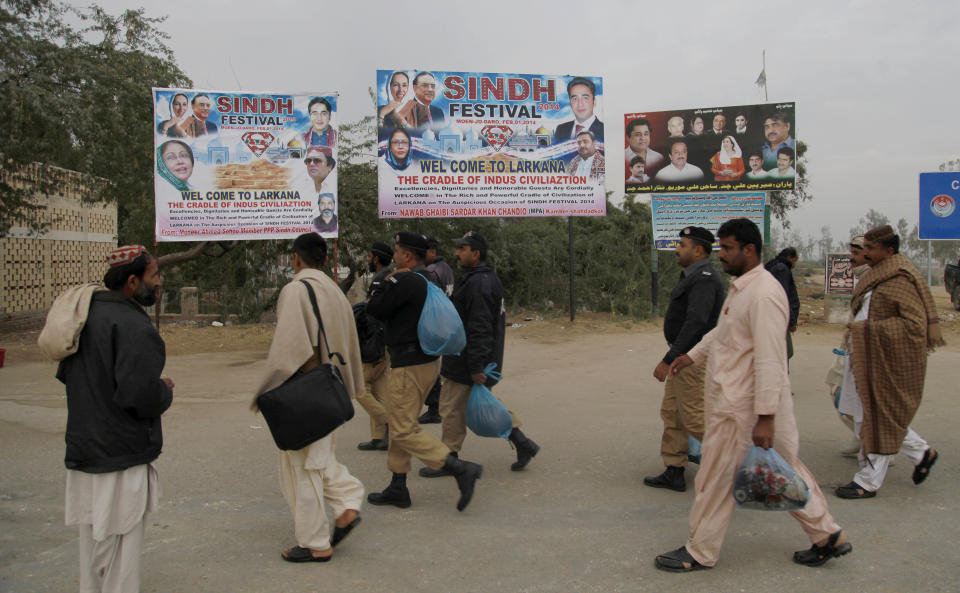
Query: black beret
x,y
698,234
383,249
411,240
475,240
431,242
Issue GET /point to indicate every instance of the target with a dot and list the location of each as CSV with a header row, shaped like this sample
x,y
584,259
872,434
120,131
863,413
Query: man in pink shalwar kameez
x,y
747,401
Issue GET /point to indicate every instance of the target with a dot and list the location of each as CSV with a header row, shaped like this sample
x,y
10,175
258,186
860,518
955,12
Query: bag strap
x,y
316,311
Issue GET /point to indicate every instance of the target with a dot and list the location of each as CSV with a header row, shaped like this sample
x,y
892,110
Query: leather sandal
x,y
678,560
341,532
853,491
922,470
299,554
818,555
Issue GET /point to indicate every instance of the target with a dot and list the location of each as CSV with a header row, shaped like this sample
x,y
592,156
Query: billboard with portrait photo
x,y
236,165
711,149
481,144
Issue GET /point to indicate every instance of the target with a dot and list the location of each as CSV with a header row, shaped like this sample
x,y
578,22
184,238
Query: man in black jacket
x,y
694,309
376,363
444,279
781,267
398,302
115,396
478,296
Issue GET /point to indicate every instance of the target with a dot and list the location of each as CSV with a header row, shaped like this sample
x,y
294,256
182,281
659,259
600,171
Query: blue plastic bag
x,y
486,415
440,329
766,482
693,449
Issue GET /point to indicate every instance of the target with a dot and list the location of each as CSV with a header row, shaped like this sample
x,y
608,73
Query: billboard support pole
x,y
929,261
570,233
654,279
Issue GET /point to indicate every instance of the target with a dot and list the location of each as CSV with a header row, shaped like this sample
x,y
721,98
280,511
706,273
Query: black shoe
x,y
818,555
526,449
431,416
426,472
467,473
373,445
678,560
396,493
671,478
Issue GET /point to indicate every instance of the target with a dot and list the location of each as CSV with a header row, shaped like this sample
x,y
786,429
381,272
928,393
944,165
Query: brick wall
x,y
34,268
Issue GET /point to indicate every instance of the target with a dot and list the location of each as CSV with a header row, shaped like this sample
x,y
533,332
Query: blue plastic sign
x,y
939,201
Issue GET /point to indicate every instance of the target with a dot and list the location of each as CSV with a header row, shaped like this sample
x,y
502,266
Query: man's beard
x,y
372,266
145,296
326,213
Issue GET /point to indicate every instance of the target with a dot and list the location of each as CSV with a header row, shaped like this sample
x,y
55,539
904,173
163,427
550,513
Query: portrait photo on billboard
x,y
708,149
473,144
239,165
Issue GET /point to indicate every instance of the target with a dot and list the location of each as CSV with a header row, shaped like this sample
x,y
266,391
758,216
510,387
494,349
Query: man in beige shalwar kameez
x,y
894,326
312,476
747,401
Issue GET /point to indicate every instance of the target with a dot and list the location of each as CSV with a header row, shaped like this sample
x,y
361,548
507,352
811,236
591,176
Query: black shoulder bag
x,y
309,405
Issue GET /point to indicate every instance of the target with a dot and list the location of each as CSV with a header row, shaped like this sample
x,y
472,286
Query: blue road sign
x,y
940,205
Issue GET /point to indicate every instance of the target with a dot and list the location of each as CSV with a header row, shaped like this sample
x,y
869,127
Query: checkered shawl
x,y
890,350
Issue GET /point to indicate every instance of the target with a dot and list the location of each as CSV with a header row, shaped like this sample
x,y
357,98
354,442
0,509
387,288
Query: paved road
x,y
578,519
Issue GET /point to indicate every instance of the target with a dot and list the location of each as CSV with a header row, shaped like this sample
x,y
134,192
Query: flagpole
x,y
766,92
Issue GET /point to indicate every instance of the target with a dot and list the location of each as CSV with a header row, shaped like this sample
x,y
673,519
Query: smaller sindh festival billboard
x,y
237,165
711,149
673,212
479,144
838,274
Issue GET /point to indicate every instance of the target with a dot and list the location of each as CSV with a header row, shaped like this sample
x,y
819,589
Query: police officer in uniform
x,y
398,302
695,305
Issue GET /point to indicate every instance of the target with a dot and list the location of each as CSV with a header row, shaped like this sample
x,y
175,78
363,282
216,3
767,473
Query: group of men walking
x,y
727,381
725,374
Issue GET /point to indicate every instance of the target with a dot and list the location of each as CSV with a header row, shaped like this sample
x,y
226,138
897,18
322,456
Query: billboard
x,y
672,212
710,149
838,274
939,197
244,165
480,144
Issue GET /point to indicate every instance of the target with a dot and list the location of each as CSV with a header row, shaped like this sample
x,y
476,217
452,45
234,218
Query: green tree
x,y
78,97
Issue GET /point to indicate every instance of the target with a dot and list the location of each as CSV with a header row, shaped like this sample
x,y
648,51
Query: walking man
x,y
444,275
478,296
782,269
894,328
311,478
749,402
694,308
376,363
115,397
398,302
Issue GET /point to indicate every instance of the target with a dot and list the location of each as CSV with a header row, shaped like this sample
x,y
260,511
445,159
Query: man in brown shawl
x,y
312,476
895,325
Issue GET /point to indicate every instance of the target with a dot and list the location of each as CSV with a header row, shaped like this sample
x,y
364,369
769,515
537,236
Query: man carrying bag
x,y
298,347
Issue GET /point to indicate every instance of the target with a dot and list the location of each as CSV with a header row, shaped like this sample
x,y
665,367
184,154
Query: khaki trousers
x,y
409,387
682,413
726,441
112,565
310,477
376,379
453,409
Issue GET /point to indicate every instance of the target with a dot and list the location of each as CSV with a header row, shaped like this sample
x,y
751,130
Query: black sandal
x,y
818,555
678,560
341,532
922,470
300,554
853,491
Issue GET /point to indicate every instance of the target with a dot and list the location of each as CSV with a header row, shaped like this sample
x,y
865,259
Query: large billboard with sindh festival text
x,y
480,144
244,165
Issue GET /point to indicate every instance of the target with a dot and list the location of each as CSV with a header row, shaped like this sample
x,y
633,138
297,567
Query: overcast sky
x,y
876,83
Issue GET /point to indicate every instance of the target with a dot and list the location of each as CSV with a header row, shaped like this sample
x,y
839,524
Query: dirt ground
x,y
578,519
